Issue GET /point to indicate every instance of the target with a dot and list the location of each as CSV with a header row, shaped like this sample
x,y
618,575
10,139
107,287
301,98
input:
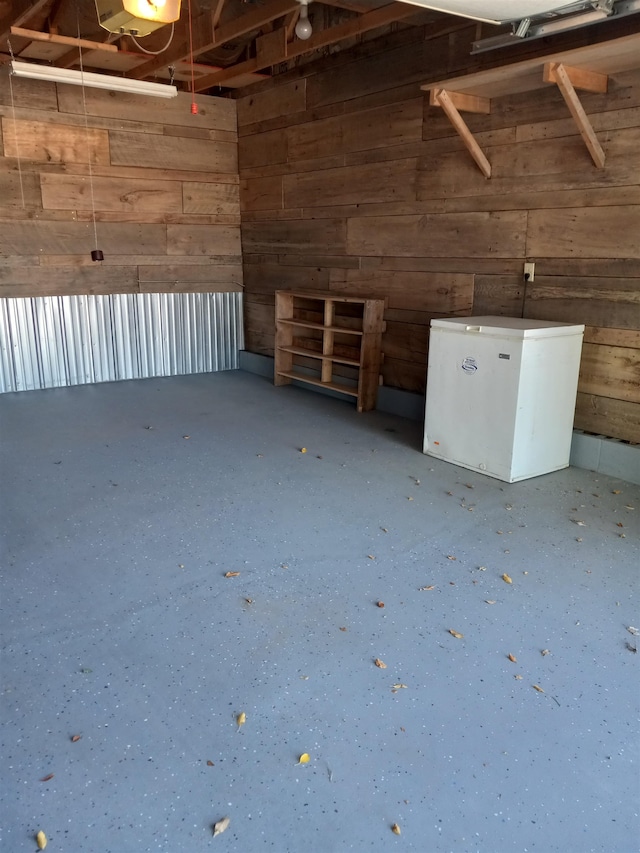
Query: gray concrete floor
x,y
124,505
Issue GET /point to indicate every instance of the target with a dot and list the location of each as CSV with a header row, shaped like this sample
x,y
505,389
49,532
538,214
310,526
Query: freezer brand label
x,y
469,364
504,355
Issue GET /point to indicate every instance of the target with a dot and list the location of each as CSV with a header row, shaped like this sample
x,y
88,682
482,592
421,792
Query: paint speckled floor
x,y
124,505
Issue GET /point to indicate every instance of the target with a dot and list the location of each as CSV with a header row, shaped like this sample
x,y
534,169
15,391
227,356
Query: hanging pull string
x,y
153,52
86,127
194,106
15,127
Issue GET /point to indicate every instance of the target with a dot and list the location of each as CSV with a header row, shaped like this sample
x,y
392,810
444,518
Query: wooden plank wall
x,y
163,182
350,182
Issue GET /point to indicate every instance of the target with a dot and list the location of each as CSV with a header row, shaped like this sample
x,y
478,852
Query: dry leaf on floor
x,y
451,557
427,588
305,758
456,634
384,529
47,778
627,645
545,652
221,825
400,687
628,506
231,574
518,677
409,499
210,764
76,738
380,663
489,601
538,688
379,603
616,491
249,600
619,524
41,840
303,450
633,631
241,719
513,658
579,523
506,578
370,556
343,629
186,436
482,568
396,829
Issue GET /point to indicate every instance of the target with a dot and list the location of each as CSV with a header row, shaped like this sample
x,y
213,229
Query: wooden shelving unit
x,y
336,338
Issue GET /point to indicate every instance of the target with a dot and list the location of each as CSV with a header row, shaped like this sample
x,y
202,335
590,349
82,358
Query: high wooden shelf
x,y
326,339
587,68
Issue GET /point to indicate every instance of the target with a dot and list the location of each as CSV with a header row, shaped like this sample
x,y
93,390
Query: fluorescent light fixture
x,y
91,80
493,11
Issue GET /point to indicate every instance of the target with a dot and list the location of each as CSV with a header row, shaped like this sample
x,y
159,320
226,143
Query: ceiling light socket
x,y
304,29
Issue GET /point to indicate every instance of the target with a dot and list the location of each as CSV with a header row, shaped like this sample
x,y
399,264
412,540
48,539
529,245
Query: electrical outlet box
x,y
529,272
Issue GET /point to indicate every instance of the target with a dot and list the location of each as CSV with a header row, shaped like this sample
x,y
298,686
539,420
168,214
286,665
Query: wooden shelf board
x,y
309,353
334,297
609,57
313,380
306,324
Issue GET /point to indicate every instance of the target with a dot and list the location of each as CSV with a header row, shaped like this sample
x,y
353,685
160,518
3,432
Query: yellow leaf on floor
x,y
396,829
512,658
506,578
241,719
456,634
231,574
538,688
380,663
41,840
305,758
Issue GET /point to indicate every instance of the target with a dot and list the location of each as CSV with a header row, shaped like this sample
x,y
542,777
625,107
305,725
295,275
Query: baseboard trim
x,y
592,452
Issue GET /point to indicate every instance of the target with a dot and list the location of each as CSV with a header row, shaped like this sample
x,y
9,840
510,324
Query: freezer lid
x,y
511,327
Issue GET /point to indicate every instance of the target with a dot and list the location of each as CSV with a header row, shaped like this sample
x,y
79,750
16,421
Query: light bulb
x,y
303,27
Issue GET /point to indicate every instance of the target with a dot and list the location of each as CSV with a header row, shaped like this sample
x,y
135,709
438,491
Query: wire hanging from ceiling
x,y
194,106
154,52
96,253
15,127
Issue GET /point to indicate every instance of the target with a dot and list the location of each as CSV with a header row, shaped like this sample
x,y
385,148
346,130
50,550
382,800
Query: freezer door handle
x,y
473,328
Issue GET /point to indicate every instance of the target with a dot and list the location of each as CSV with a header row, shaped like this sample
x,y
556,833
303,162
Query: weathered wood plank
x,y
261,194
501,295
68,238
267,278
203,240
608,302
60,281
377,182
262,149
607,371
296,237
166,152
612,337
500,234
190,276
606,416
54,143
416,291
281,100
210,198
68,192
595,232
214,113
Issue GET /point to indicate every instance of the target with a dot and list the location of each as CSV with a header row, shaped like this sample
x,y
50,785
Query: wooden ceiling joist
x,y
357,26
36,35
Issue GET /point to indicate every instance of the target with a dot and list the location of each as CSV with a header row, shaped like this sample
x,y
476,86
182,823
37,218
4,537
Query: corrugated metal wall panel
x,y
48,342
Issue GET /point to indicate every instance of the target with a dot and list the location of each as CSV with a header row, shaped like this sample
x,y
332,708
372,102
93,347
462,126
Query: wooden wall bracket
x,y
567,79
452,103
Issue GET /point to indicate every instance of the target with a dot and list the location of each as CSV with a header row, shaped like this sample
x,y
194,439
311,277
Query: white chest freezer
x,y
501,394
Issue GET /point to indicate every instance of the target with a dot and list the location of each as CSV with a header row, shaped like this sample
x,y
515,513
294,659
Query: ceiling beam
x,y
36,35
207,37
39,8
357,26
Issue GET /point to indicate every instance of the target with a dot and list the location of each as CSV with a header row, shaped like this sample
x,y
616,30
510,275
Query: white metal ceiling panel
x,y
492,11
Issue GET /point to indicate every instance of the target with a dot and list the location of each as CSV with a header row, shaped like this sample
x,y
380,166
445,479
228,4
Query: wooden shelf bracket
x,y
567,80
452,103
